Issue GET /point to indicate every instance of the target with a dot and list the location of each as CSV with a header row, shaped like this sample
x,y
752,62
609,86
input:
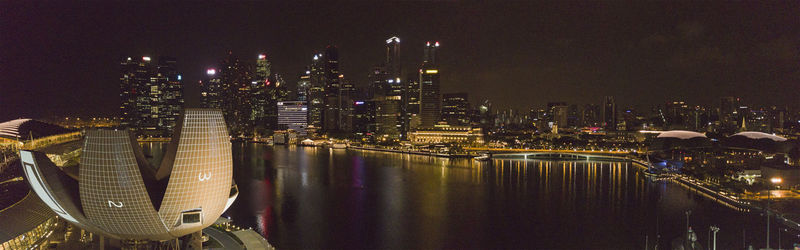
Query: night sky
x,y
63,58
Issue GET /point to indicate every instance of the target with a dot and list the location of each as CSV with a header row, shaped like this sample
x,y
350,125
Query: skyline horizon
x,y
67,62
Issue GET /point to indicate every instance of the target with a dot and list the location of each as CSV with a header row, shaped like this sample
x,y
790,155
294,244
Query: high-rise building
x,y
388,91
678,115
262,99
559,115
454,109
609,113
347,96
728,111
303,85
364,117
316,93
573,116
236,79
211,90
332,100
293,115
590,116
430,53
392,63
151,94
430,98
412,101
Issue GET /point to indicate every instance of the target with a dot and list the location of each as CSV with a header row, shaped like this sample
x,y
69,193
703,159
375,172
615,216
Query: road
x,y
223,238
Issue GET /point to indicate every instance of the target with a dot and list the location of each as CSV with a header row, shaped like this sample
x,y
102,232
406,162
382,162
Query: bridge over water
x,y
505,153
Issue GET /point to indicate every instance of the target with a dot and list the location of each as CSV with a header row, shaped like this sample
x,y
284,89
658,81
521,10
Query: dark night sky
x,y
62,58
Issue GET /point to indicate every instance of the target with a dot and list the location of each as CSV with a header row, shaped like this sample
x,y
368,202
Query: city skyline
x,y
704,53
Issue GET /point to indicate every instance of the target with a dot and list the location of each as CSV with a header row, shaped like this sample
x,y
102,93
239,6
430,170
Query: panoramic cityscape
x,y
402,125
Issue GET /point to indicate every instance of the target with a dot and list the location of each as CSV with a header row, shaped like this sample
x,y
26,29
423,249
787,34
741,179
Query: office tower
x,y
454,109
411,101
550,112
573,116
170,102
392,63
211,90
430,99
778,118
378,86
316,93
236,79
590,115
728,111
364,117
293,115
261,94
389,117
151,94
332,100
347,96
387,90
430,53
560,116
303,85
609,113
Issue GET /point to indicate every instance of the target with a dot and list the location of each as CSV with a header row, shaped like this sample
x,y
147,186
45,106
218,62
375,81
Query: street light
x,y
715,229
688,212
775,181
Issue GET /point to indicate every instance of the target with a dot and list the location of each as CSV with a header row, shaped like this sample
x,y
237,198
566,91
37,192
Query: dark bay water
x,y
300,197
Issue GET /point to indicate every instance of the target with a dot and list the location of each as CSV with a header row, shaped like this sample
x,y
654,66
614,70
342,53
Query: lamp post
x,y
715,229
688,212
775,181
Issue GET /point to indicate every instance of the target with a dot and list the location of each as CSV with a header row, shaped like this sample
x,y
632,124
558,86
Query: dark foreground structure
x,y
119,195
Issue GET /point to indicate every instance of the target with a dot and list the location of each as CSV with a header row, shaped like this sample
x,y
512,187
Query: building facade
x,y
151,95
123,197
455,108
293,115
443,133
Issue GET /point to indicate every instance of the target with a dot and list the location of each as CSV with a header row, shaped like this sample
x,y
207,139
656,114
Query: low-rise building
x,y
444,133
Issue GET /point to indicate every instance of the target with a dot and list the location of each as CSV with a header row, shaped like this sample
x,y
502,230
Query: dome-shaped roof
x,y
759,135
680,134
25,128
10,129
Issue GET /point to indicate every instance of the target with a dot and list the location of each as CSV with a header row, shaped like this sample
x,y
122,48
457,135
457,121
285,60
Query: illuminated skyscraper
x,y
430,99
388,93
392,63
609,113
430,53
263,102
412,101
237,84
151,94
347,96
303,85
454,109
211,90
332,79
316,93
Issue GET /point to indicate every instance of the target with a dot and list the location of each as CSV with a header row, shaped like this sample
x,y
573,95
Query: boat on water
x,y
483,157
339,146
